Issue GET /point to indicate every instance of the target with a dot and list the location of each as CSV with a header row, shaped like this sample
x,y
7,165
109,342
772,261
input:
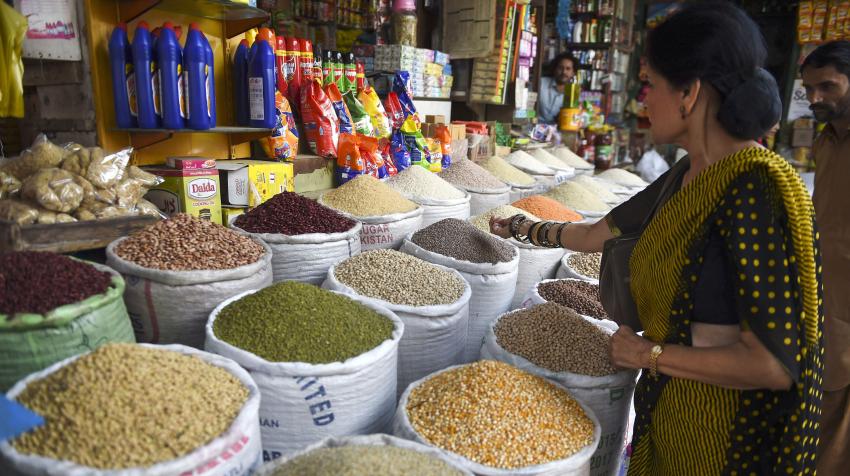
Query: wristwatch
x,y
654,353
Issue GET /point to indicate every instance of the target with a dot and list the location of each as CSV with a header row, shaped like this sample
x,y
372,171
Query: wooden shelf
x,y
141,138
237,17
68,237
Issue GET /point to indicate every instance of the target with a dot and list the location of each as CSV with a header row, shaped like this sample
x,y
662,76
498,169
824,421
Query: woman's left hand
x,y
628,350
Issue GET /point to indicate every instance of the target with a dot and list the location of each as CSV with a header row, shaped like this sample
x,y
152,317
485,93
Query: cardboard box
x,y
252,182
313,173
192,191
190,163
228,213
435,119
802,137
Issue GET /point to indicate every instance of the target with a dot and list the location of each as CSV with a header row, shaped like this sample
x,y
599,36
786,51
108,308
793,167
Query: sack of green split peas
x,y
53,307
131,409
325,362
479,415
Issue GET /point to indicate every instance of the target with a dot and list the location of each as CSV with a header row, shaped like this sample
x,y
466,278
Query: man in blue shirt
x,y
562,70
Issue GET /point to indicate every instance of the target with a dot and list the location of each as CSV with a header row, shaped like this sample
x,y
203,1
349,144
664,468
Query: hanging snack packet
x,y
398,151
436,158
415,142
394,110
362,121
387,156
401,86
445,137
283,143
345,124
372,104
374,162
321,125
349,163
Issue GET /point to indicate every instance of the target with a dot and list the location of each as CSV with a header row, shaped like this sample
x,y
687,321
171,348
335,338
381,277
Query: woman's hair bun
x,y
752,107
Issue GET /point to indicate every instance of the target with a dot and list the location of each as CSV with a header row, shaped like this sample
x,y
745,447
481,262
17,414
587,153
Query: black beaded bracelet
x,y
561,228
543,235
516,222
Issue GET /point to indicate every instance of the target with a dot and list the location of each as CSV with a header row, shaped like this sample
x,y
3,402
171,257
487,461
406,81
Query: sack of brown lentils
x,y
431,300
233,452
171,295
304,402
503,430
489,264
377,454
583,266
555,336
30,338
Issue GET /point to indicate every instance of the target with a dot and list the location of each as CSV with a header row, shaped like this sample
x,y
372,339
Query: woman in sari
x,y
725,275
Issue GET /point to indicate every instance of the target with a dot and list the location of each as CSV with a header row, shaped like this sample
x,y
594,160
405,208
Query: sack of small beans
x,y
494,419
379,454
438,198
489,264
579,295
53,307
133,409
431,300
306,238
535,262
325,362
578,265
485,190
386,215
177,270
555,342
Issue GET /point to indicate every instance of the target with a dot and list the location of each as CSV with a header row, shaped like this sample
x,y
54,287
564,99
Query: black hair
x,y
557,60
834,53
717,43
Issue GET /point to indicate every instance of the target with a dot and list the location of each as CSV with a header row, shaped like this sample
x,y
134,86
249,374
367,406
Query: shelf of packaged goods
x,y
237,17
142,138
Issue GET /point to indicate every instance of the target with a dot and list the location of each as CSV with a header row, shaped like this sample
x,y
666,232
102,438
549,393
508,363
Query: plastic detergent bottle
x,y
123,79
170,61
144,66
240,83
195,71
261,83
210,79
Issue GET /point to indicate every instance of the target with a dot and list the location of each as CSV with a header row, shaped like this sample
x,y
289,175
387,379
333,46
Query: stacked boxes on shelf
x,y
490,74
365,54
430,71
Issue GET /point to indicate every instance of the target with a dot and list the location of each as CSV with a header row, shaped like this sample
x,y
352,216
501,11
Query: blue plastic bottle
x,y
144,65
170,59
123,79
210,79
240,82
261,84
195,81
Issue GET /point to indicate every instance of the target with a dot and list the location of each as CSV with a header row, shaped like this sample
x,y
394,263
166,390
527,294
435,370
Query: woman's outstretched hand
x,y
500,227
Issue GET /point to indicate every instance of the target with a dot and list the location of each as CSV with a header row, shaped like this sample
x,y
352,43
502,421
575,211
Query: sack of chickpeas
x,y
177,270
431,300
325,362
578,265
138,409
479,416
377,454
555,342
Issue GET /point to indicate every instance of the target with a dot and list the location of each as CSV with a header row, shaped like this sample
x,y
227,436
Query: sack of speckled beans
x,y
583,266
129,409
325,362
557,343
477,413
431,300
439,199
387,216
306,238
53,307
489,264
177,270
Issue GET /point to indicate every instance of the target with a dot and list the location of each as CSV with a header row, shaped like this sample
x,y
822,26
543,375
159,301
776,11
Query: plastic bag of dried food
x,y
415,142
436,154
371,157
395,111
398,151
361,119
128,193
342,112
104,171
372,104
321,124
146,179
42,154
53,189
387,156
401,86
47,217
283,143
144,207
9,185
445,137
17,212
349,164
99,211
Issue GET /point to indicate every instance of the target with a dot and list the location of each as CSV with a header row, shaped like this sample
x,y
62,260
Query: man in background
x,y
562,70
826,77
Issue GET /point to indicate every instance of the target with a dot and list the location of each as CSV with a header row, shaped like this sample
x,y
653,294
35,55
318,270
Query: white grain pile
x,y
482,222
506,172
416,182
550,160
570,158
523,161
598,188
577,197
622,177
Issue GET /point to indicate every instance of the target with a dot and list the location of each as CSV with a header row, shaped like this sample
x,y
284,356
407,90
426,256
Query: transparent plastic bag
x,y
42,154
104,171
9,185
53,189
17,212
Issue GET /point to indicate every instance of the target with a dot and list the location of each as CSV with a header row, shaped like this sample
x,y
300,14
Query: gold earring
x,y
682,112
